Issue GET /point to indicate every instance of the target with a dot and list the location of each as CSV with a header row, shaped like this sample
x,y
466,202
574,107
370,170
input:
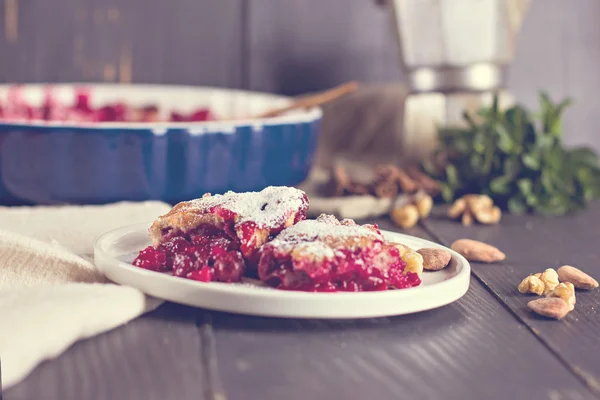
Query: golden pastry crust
x,y
326,231
183,218
251,216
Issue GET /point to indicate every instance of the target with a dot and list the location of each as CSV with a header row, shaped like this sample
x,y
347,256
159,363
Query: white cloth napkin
x,y
48,282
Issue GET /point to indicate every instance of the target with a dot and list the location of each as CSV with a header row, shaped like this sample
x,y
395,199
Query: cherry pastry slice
x,y
326,255
216,238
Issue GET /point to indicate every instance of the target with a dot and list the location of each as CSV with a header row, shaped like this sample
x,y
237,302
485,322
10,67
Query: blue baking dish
x,y
94,163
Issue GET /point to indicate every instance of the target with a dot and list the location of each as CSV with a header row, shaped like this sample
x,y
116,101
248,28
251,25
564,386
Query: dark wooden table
x,y
487,345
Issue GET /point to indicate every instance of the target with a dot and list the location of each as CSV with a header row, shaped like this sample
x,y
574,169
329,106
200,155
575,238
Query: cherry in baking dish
x,y
16,108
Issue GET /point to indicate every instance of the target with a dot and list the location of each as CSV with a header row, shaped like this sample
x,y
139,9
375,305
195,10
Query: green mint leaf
x,y
517,206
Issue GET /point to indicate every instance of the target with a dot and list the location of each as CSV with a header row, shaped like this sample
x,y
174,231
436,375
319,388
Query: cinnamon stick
x,y
386,181
386,172
387,189
339,183
426,183
407,184
358,188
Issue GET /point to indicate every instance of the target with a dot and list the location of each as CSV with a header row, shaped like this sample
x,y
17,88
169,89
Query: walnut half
x,y
540,283
565,291
408,208
531,284
477,207
413,260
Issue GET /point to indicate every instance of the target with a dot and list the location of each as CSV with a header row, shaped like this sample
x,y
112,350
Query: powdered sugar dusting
x,y
320,238
312,230
268,208
315,248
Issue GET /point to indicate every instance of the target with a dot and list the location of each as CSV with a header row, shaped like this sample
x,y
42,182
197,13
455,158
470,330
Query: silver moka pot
x,y
454,55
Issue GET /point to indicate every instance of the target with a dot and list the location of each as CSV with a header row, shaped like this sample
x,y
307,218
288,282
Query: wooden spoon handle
x,y
314,99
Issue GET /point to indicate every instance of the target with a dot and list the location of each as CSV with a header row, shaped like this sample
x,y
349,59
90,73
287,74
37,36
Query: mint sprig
x,y
518,158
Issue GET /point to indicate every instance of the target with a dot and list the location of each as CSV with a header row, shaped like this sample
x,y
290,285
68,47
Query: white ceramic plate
x,y
115,250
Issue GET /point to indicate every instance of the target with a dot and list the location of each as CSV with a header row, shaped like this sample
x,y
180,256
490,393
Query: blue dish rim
x,y
160,128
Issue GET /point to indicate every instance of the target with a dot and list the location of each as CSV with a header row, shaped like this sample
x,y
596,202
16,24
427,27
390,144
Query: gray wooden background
x,y
287,46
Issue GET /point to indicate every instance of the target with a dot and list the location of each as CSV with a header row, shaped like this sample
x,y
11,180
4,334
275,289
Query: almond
x,y
435,259
551,307
577,277
476,251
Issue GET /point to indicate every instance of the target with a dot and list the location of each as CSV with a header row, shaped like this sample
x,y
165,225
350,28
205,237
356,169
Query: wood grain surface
x,y
471,349
280,46
143,41
156,357
533,244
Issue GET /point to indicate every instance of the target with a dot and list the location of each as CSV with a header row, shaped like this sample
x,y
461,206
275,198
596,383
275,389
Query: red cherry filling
x,y
229,267
347,272
151,259
82,111
204,274
205,254
182,265
233,228
326,255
